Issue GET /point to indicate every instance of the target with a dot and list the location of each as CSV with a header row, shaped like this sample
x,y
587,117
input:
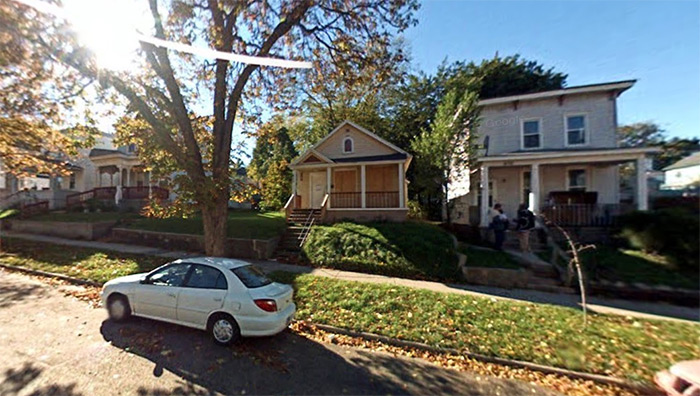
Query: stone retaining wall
x,y
63,229
259,249
497,277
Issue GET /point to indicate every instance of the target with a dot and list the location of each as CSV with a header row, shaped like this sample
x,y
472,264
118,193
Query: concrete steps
x,y
289,248
544,277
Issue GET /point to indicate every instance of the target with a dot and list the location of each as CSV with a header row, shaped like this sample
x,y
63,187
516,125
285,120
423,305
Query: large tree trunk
x,y
214,218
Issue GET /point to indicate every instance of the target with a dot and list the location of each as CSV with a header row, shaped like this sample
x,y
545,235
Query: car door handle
x,y
171,295
217,299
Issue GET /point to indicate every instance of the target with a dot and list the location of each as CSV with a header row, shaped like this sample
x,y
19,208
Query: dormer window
x,y
348,145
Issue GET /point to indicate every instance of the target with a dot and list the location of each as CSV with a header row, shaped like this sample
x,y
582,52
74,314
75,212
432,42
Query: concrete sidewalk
x,y
639,309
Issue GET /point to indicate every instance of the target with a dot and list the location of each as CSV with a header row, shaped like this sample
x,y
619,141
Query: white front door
x,y
318,188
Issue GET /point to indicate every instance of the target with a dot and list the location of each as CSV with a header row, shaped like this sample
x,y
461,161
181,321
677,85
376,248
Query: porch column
x,y
128,176
534,204
485,196
363,186
98,178
642,195
402,204
295,175
118,194
150,186
328,185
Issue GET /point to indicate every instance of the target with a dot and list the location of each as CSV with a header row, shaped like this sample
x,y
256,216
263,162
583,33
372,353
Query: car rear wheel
x,y
118,308
224,329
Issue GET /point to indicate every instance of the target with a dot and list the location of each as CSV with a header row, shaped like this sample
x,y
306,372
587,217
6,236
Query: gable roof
x,y
691,160
315,152
311,153
617,86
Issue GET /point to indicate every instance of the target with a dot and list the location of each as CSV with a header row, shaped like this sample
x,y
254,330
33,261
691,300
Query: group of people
x,y
524,222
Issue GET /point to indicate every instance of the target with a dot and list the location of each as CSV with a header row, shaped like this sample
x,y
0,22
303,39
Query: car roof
x,y
221,262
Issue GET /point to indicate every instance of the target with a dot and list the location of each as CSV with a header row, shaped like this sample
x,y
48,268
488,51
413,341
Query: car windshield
x,y
251,276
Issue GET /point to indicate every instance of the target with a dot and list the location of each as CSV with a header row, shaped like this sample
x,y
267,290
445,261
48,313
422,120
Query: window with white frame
x,y
577,179
347,145
575,130
531,134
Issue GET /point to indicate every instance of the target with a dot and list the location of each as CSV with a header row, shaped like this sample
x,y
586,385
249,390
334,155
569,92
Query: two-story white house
x,y
555,151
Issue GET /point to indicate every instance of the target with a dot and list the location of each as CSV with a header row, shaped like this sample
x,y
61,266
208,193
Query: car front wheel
x,y
118,308
224,329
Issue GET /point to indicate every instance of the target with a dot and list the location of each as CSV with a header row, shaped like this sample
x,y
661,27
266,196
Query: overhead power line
x,y
54,10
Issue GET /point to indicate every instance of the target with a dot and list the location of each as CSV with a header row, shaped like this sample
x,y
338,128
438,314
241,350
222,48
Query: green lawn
x,y
241,224
411,249
80,217
636,266
614,345
487,258
88,264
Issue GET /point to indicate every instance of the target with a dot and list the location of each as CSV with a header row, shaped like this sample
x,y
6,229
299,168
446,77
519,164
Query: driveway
x,y
52,343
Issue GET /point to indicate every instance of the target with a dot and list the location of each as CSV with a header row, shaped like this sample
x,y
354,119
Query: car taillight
x,y
266,305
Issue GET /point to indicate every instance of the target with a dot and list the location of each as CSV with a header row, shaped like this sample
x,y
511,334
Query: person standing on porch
x,y
524,223
499,224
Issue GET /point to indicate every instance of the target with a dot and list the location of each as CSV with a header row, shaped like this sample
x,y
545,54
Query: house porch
x,y
571,189
362,192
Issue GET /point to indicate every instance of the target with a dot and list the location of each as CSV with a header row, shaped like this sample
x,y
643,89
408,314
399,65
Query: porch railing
x,y
343,200
34,209
96,193
141,192
585,215
373,199
386,199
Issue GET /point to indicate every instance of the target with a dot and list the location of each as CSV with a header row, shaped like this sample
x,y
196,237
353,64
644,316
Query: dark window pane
x,y
221,282
530,127
251,276
204,277
531,141
576,137
577,179
575,122
172,275
347,145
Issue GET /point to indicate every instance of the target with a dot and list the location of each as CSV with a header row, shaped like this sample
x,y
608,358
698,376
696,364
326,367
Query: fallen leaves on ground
x,y
559,383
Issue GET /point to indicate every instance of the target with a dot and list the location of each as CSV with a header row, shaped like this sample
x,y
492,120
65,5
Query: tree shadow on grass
x,y
286,363
19,380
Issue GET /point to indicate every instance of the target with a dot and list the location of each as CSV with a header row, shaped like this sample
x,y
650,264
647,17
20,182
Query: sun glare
x,y
108,28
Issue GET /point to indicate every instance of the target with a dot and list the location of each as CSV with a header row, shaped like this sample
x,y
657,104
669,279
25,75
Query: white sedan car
x,y
229,298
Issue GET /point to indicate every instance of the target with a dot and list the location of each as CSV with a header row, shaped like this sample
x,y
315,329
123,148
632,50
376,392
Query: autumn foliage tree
x,y
340,37
273,152
36,93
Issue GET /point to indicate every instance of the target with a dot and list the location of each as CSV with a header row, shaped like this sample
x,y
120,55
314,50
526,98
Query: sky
x,y
656,43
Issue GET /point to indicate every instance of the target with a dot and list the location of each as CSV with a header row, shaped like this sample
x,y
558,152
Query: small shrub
x,y
672,232
410,249
415,211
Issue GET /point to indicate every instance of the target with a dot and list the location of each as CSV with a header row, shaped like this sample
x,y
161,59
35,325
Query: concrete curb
x,y
604,379
51,275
